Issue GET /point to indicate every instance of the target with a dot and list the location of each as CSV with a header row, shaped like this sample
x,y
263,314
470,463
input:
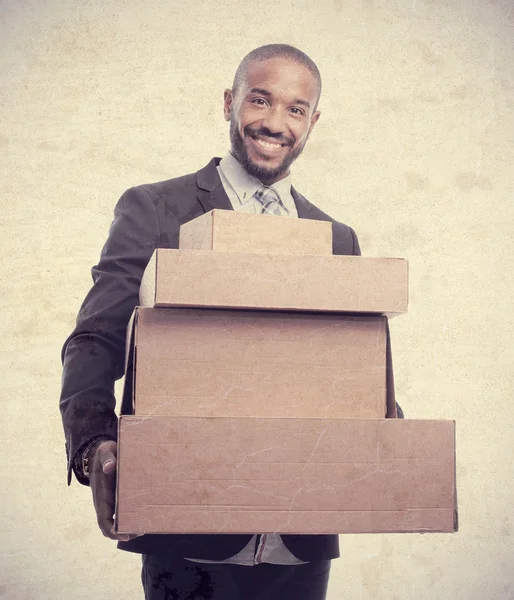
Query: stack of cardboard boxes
x,y
260,382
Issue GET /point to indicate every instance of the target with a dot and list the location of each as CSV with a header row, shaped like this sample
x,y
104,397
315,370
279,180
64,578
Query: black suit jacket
x,y
147,217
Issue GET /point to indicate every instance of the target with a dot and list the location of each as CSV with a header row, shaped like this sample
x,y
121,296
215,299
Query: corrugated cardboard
x,y
201,362
297,476
202,278
234,231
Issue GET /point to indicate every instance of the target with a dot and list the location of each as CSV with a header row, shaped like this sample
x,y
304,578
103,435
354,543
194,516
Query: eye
x,y
297,111
259,101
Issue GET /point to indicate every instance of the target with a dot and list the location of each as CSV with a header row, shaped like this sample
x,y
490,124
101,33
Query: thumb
x,y
108,462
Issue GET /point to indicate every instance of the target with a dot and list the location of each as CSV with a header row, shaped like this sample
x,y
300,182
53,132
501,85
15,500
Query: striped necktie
x,y
270,200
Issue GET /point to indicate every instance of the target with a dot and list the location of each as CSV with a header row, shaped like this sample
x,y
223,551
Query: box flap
x,y
197,234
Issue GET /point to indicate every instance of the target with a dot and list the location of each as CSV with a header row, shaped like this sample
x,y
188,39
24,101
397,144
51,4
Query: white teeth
x,y
268,145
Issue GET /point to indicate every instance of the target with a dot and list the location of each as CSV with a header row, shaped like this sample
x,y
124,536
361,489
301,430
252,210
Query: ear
x,y
314,120
228,100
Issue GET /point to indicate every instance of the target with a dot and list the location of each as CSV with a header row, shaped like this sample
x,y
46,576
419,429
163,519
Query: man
x,y
272,109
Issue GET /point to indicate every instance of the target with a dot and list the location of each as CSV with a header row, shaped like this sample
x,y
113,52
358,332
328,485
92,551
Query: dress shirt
x,y
240,188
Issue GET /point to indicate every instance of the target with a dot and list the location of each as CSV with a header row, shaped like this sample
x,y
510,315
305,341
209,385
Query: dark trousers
x,y
166,578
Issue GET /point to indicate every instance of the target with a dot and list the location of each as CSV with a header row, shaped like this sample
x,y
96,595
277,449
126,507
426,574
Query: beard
x,y
262,173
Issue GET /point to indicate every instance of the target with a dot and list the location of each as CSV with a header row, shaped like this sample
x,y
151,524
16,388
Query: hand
x,y
102,478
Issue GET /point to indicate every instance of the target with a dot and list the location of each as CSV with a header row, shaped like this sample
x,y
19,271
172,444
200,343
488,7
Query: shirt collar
x,y
245,185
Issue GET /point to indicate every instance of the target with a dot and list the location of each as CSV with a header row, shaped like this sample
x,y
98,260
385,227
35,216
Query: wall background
x,y
414,149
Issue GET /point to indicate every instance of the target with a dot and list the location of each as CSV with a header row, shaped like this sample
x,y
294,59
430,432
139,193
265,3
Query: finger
x,y
106,523
125,537
109,465
104,499
107,459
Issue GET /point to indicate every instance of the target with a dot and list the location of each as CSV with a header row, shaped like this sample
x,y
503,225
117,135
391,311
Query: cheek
x,y
250,118
300,135
241,124
243,119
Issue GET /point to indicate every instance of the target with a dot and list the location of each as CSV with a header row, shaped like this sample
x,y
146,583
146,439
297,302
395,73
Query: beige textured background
x,y
415,150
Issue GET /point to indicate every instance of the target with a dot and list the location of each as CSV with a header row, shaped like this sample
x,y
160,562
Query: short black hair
x,y
276,51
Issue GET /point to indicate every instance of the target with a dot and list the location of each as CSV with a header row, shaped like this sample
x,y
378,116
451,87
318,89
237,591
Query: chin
x,y
261,168
264,171
254,165
267,165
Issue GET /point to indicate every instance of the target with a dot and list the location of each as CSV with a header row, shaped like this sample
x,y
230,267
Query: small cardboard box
x,y
203,278
288,476
233,231
201,362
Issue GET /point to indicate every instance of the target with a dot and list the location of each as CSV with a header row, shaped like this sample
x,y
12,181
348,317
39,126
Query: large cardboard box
x,y
234,231
203,278
201,362
296,476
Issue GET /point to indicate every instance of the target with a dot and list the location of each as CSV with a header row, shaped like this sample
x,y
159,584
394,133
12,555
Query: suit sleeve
x,y
93,356
356,247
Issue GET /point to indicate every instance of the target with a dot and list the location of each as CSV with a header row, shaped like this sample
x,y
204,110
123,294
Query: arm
x,y
356,248
93,355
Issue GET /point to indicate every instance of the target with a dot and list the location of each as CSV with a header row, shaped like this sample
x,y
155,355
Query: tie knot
x,y
266,193
270,200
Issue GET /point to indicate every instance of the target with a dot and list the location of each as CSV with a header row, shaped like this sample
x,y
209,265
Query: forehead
x,y
281,76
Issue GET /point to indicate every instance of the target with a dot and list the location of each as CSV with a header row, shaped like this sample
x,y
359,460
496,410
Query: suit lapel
x,y
303,206
210,192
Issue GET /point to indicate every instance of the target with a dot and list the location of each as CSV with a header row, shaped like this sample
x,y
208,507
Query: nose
x,y
274,121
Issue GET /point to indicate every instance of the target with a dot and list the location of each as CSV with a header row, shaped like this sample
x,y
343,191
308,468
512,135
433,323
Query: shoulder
x,y
167,187
206,178
164,204
345,239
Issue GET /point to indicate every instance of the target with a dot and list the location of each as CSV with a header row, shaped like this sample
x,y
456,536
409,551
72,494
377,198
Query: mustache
x,y
264,131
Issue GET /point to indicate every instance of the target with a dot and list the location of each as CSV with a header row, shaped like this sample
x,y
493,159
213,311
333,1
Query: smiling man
x,y
272,109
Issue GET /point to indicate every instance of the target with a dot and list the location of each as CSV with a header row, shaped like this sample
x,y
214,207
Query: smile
x,y
268,144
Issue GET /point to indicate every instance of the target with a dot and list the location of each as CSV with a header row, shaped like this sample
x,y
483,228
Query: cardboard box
x,y
202,278
289,476
201,362
233,231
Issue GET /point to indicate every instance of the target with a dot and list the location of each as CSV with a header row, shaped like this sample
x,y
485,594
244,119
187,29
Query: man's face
x,y
271,116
